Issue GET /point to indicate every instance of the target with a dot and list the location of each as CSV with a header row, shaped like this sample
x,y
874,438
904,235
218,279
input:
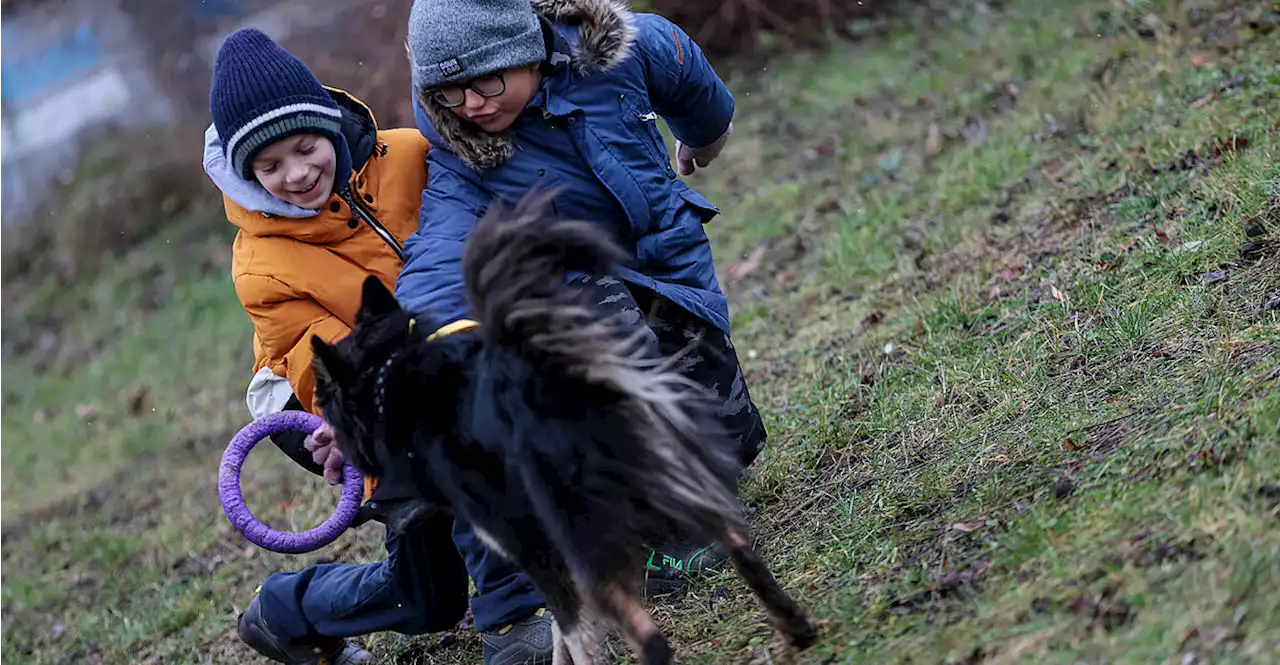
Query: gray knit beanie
x,y
454,40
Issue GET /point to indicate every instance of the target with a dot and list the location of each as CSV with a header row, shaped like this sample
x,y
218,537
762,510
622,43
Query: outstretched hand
x,y
689,159
324,452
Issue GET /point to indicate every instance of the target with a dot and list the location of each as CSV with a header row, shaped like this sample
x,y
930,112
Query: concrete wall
x,y
67,68
75,69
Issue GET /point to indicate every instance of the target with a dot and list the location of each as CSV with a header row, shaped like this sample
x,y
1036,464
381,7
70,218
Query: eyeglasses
x,y
455,95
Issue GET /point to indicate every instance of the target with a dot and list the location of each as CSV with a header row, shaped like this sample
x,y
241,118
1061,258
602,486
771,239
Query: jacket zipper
x,y
368,217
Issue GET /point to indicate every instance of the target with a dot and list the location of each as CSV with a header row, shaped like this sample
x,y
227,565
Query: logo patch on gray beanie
x,y
450,67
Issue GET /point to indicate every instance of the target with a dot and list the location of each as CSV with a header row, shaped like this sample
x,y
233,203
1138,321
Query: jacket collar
x,y
605,36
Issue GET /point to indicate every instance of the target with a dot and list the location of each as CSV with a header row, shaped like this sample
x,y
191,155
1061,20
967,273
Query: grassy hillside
x,y
1006,287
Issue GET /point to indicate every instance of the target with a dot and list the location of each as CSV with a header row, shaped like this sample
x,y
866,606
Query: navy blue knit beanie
x,y
261,93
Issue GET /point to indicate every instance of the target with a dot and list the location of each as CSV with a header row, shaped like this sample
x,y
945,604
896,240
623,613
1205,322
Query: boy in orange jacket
x,y
323,198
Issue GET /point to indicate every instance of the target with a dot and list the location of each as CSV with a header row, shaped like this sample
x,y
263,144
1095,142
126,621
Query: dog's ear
x,y
376,300
329,368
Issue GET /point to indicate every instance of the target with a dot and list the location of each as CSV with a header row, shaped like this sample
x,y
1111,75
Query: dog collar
x,y
461,325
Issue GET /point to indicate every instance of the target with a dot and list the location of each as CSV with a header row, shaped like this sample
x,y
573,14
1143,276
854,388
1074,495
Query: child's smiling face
x,y
298,169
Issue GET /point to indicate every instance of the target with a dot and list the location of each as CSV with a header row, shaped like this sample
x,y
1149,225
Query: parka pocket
x,y
705,208
642,121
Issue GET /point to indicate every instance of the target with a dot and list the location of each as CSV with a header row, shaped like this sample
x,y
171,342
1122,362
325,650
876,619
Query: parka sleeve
x,y
430,283
683,87
284,322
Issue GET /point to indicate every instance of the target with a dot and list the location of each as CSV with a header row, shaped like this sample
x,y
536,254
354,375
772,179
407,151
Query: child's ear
x,y
327,365
376,300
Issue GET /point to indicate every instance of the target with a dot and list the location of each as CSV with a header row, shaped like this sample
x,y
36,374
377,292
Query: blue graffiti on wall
x,y
31,73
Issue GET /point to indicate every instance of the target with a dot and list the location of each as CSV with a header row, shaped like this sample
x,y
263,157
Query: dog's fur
x,y
563,442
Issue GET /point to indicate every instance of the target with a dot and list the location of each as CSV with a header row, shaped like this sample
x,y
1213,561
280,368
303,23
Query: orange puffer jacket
x,y
301,276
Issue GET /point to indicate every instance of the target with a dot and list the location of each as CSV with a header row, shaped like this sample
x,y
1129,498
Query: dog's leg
x,y
551,576
637,626
572,634
584,642
559,647
786,615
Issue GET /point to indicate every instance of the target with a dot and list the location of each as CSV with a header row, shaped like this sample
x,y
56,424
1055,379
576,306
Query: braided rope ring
x,y
242,518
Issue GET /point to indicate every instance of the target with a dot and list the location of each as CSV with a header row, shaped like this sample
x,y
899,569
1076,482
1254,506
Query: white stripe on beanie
x,y
248,127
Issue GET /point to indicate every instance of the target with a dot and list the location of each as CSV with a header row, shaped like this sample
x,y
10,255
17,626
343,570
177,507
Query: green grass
x,y
1021,376
147,356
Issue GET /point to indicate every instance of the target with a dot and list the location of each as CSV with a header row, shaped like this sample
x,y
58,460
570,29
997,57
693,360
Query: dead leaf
x,y
967,527
1204,101
933,139
1199,59
744,268
88,411
1069,445
1057,295
876,316
827,205
137,399
1230,145
974,573
1204,639
1163,236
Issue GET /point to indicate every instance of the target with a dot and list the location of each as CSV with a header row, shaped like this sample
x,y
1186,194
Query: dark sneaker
x,y
670,569
253,631
525,642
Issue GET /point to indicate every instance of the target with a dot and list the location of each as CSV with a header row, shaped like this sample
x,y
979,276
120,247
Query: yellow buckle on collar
x,y
461,325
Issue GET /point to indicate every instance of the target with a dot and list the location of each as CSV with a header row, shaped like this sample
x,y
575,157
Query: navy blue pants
x,y
420,588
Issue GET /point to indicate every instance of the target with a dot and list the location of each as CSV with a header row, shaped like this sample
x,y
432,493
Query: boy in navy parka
x,y
517,94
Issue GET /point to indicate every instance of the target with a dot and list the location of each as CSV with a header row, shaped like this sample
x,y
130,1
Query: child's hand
x,y
689,159
324,451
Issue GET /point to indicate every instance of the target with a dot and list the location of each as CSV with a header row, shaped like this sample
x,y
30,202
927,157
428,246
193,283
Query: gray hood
x,y
247,193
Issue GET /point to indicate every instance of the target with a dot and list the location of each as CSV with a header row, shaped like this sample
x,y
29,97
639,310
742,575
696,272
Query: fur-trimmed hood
x,y
606,34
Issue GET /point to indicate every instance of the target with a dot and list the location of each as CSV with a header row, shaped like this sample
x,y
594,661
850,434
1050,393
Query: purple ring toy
x,y
242,518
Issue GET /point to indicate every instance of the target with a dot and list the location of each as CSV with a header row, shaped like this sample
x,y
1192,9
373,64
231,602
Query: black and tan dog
x,y
566,444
